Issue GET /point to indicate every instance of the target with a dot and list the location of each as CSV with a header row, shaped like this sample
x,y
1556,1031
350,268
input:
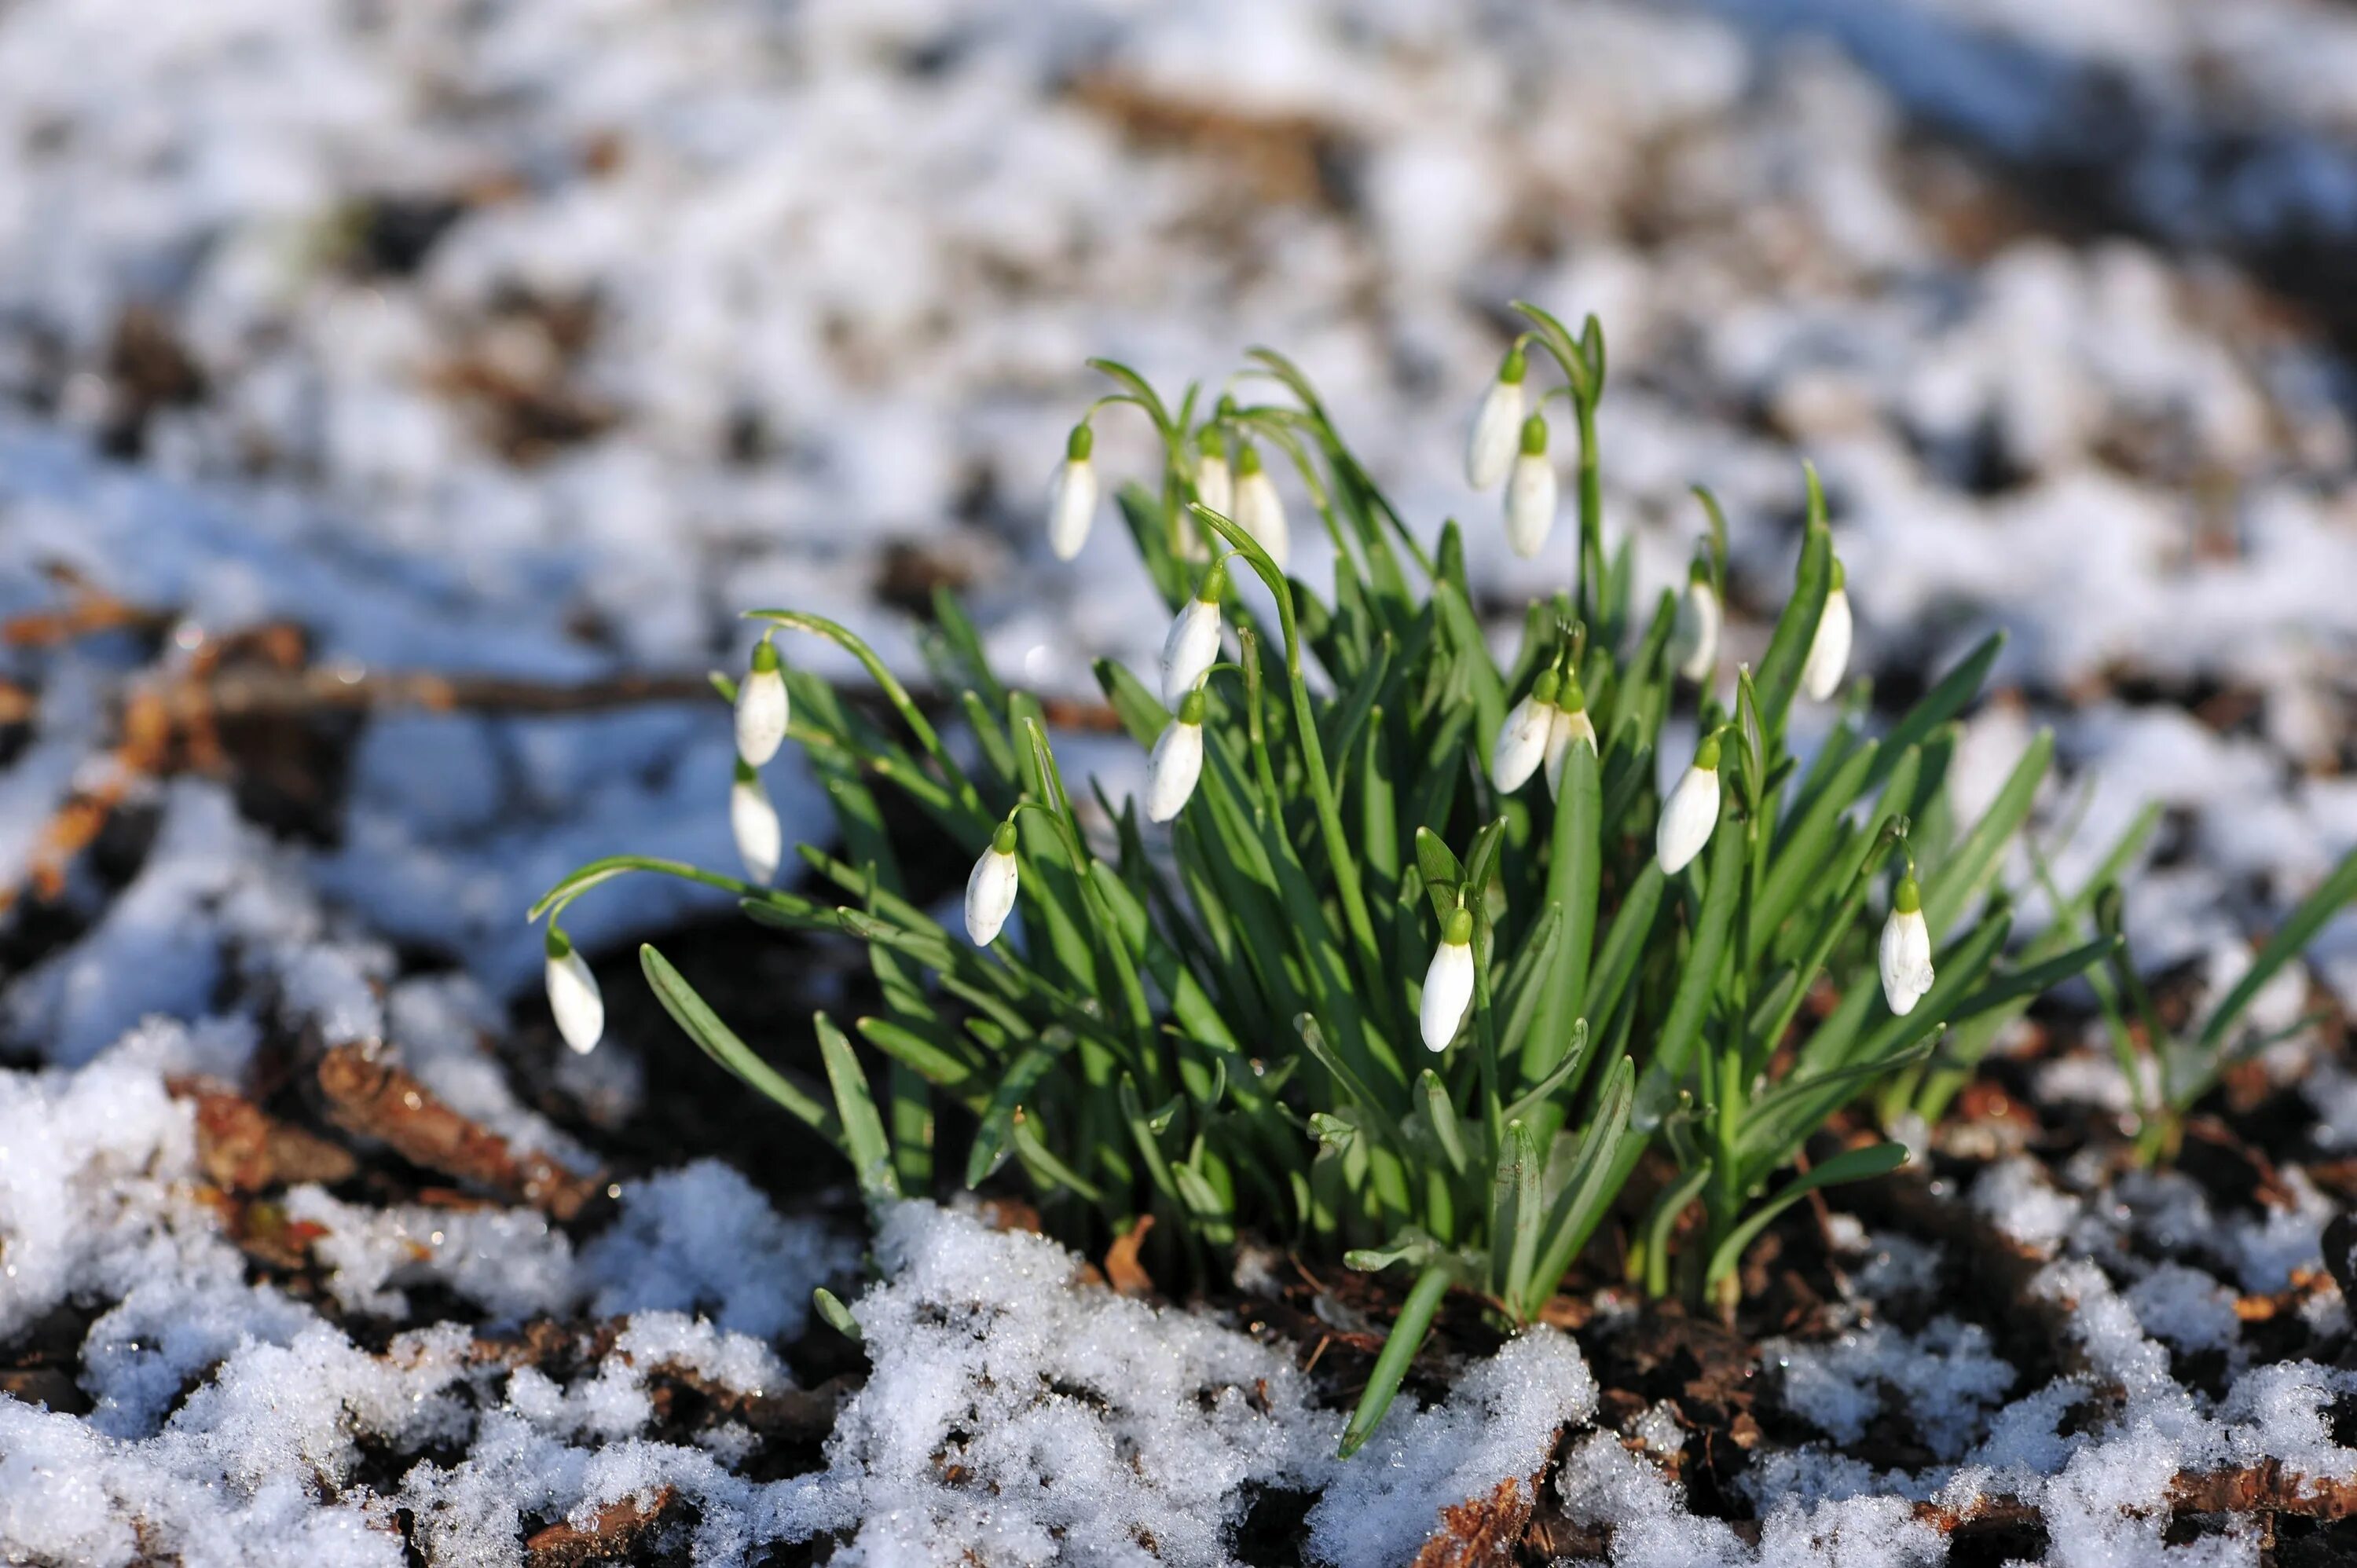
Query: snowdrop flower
x,y
761,707
1694,640
573,995
1176,762
1821,673
990,887
1193,645
1906,951
1449,984
1073,498
1215,484
1498,424
1260,511
1521,743
1531,492
1571,724
754,821
1691,812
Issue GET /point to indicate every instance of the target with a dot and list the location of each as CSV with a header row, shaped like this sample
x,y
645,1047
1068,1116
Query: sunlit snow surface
x,y
840,264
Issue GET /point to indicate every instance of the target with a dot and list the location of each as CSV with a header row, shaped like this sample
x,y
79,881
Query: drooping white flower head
x,y
1215,482
1572,726
1821,672
1073,498
1531,492
761,707
1498,424
573,995
1906,951
1192,645
1691,812
1694,638
1176,762
991,886
1448,983
760,840
1260,511
1521,743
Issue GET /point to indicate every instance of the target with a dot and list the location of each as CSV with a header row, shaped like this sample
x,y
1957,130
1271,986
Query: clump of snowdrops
x,y
1404,957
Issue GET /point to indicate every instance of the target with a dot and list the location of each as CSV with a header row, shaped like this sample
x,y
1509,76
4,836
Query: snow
x,y
818,283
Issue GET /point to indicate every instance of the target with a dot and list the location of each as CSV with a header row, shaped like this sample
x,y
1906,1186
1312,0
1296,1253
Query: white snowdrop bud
x,y
1176,762
1521,743
1571,726
759,838
1449,984
1073,498
1498,425
1215,482
573,995
1193,645
1694,638
1531,492
1691,812
990,887
1906,951
761,707
1260,511
1821,672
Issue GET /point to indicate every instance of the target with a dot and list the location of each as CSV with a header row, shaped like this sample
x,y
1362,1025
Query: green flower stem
x,y
1347,889
1591,516
894,692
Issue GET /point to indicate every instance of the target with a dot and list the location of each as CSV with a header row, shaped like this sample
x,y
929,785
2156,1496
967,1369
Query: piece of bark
x,y
609,1533
380,1101
1481,1533
244,1149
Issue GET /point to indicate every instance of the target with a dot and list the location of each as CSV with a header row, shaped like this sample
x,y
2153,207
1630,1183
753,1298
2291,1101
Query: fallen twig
x,y
380,1101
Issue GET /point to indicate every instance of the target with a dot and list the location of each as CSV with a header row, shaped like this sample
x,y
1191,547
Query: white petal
x,y
1171,771
1215,484
1906,961
1530,503
573,998
1260,512
1072,507
1693,640
1567,727
990,895
1447,992
760,715
1820,675
760,841
1497,434
1521,744
1687,819
1192,647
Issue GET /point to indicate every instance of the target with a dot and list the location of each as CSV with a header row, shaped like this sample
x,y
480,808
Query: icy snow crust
x,y
839,263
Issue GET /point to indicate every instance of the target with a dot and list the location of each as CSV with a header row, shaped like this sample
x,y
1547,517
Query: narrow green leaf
x,y
863,1127
1851,1164
1408,1330
716,1040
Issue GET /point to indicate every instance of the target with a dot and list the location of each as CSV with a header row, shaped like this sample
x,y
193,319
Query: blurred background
x,y
522,345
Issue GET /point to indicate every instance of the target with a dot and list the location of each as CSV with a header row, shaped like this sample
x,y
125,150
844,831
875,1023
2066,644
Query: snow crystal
x,y
1499,1422
1942,1381
701,1238
1006,1411
2016,1198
